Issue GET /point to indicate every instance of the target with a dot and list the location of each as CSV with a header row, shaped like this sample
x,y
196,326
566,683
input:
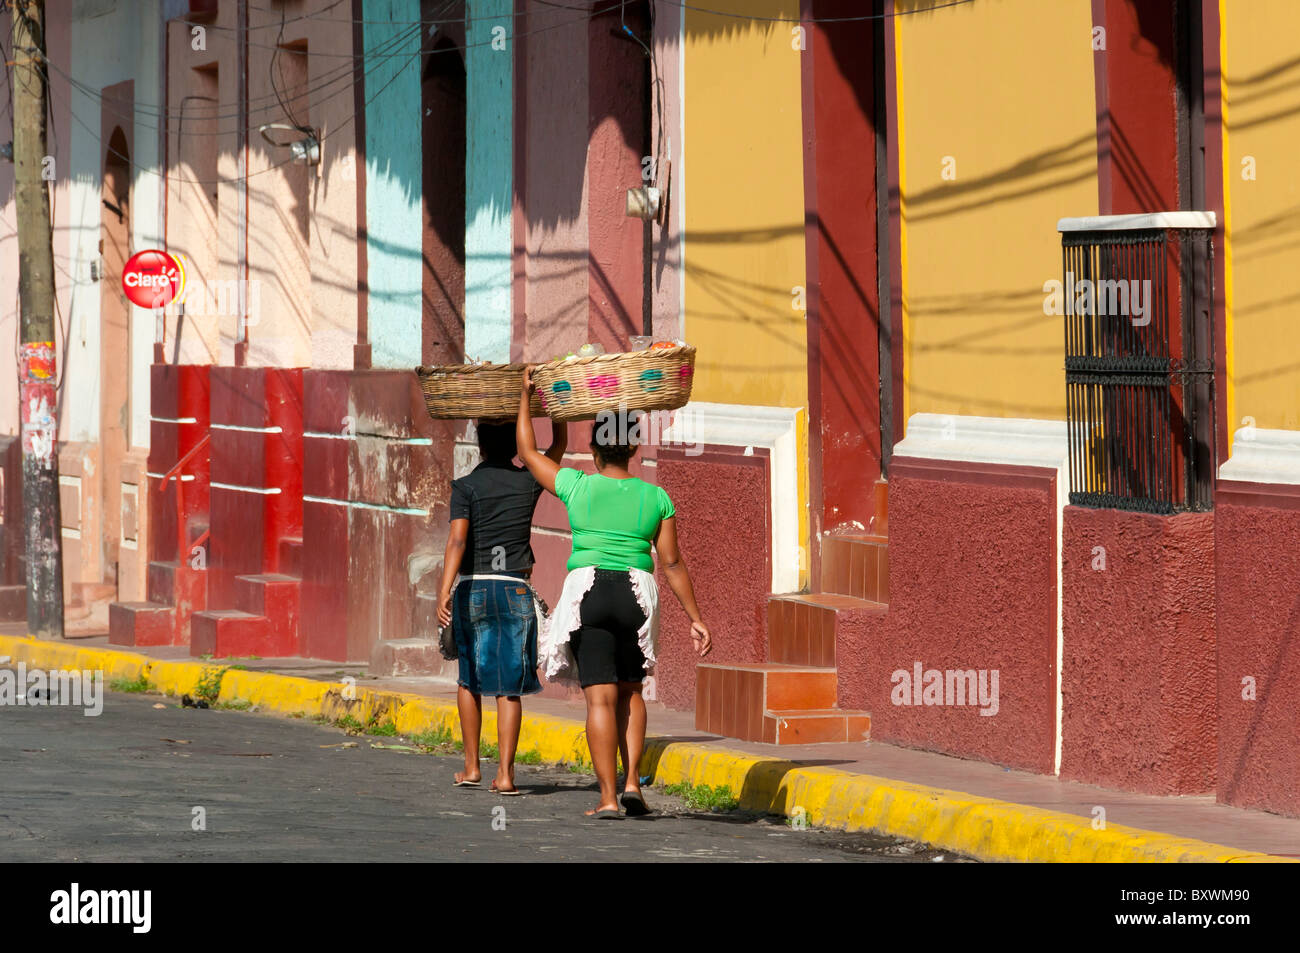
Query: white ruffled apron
x,y
555,656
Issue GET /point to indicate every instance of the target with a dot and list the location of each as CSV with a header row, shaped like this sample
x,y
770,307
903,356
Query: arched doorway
x,y
442,100
114,343
618,98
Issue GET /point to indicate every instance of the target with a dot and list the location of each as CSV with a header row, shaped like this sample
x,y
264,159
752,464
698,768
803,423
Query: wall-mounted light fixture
x,y
305,150
650,202
643,202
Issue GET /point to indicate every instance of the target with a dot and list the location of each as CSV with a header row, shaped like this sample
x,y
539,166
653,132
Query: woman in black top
x,y
488,562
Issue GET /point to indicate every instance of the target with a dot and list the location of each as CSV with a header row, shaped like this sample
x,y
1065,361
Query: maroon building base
x,y
1138,676
972,587
1257,568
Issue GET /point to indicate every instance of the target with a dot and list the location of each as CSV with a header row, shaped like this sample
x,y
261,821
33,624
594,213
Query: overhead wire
x,y
408,57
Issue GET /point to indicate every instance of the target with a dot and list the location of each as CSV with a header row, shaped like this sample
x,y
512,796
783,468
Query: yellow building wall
x,y
998,140
744,205
743,258
1261,96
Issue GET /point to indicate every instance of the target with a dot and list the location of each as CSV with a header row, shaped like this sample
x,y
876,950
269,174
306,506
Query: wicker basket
x,y
580,388
453,391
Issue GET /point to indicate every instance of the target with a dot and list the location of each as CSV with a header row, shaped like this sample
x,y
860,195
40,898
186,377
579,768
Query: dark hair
x,y
496,440
615,436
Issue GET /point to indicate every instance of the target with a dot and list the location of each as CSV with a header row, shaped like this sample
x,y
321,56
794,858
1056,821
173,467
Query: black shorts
x,y
605,646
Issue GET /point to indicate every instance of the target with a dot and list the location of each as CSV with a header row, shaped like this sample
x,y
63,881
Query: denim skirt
x,y
495,627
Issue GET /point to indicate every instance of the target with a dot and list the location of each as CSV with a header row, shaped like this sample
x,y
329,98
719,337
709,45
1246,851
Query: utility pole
x,y
36,372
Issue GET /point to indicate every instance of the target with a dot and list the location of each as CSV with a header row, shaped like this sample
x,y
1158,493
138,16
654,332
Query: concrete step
x,y
856,565
177,584
731,699
806,727
229,632
417,657
801,627
277,597
88,593
180,585
141,623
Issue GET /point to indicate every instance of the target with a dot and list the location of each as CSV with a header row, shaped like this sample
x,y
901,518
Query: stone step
x,y
88,593
223,633
801,627
414,657
731,699
806,727
177,584
856,565
277,597
141,623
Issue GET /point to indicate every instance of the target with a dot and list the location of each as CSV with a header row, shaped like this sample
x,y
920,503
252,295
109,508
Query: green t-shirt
x,y
613,521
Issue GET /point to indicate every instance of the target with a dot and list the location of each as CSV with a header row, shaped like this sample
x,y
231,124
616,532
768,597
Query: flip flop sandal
x,y
634,804
512,793
465,783
608,814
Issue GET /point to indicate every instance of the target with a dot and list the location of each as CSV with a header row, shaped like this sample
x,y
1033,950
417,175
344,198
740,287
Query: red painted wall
x,y
972,585
618,108
325,525
246,526
1137,129
1138,675
843,294
176,392
1257,572
722,501
356,558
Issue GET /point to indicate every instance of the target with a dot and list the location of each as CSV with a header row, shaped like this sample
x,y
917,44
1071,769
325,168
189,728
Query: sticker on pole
x,y
153,279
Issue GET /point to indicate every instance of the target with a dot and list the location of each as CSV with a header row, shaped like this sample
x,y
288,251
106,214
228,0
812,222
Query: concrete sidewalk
x,y
978,809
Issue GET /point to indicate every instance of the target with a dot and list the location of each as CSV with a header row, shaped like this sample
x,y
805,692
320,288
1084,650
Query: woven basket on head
x,y
474,390
579,388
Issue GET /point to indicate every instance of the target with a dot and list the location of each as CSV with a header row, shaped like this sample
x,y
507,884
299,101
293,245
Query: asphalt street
x,y
146,783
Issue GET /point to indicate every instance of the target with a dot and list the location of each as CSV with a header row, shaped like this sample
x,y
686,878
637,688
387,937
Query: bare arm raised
x,y
543,466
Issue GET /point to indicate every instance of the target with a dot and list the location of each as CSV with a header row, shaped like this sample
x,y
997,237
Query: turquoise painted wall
x,y
489,174
393,214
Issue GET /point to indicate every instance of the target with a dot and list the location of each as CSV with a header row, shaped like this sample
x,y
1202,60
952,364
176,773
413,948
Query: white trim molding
x,y
1008,441
242,429
1263,456
1124,223
362,505
1005,440
263,490
774,429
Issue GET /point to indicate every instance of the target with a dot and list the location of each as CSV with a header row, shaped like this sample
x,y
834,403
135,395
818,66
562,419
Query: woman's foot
x,y
506,787
466,779
634,803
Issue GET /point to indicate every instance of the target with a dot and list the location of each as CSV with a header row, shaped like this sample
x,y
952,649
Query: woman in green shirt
x,y
604,627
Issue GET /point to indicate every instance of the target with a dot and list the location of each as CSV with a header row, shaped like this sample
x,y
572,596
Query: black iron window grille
x,y
1139,360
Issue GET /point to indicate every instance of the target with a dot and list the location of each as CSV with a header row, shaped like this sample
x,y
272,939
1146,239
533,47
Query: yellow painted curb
x,y
968,824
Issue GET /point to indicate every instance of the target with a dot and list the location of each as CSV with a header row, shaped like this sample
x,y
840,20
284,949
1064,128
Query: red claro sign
x,y
153,279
